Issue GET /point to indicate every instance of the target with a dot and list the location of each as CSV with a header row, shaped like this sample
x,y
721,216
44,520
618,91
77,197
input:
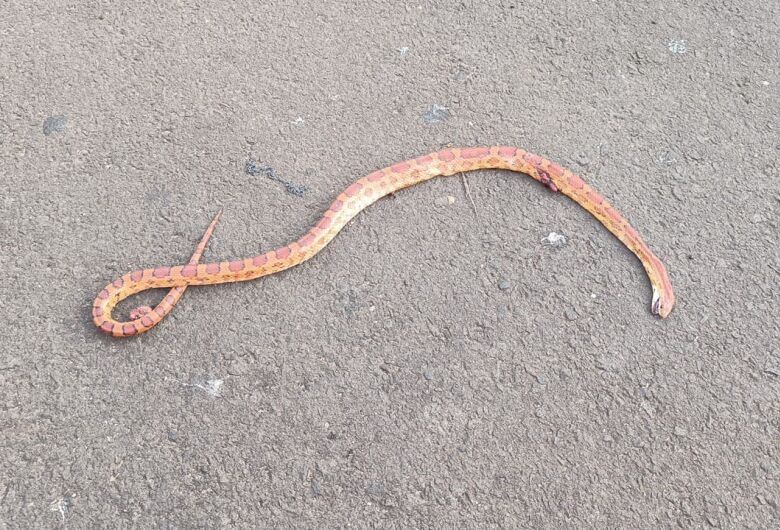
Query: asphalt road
x,y
438,365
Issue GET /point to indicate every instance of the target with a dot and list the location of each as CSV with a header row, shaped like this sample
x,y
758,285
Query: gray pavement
x,y
437,365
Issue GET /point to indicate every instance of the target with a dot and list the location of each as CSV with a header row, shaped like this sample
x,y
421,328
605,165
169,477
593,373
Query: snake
x,y
355,198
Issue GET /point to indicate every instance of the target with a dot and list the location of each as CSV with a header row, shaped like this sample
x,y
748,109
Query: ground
x,y
440,364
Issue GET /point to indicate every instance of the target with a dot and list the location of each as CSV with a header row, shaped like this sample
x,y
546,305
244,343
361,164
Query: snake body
x,y
347,205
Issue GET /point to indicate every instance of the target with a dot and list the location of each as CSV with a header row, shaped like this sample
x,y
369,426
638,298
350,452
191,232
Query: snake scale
x,y
347,205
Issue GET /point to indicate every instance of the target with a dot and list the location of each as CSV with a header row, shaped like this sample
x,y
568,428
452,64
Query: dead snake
x,y
354,199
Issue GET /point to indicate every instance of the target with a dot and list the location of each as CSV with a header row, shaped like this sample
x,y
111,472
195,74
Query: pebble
x,y
375,488
428,375
444,201
436,114
570,314
677,46
554,239
54,124
504,284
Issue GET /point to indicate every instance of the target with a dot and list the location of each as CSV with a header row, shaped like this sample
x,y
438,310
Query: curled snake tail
x,y
142,318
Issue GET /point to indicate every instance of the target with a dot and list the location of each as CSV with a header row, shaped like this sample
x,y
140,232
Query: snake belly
x,y
359,195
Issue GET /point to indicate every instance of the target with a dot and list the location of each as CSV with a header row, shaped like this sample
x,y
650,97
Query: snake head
x,y
662,303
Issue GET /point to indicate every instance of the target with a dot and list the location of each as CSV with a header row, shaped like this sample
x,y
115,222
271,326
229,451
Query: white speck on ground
x,y
211,386
554,239
61,505
677,46
445,201
436,114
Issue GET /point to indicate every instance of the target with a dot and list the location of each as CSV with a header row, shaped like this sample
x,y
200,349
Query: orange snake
x,y
355,198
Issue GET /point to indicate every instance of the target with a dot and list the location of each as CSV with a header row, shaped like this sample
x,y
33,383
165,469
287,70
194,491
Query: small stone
x,y
570,314
680,431
756,218
582,159
504,284
450,199
677,46
436,114
668,157
428,375
375,489
554,239
173,436
54,124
